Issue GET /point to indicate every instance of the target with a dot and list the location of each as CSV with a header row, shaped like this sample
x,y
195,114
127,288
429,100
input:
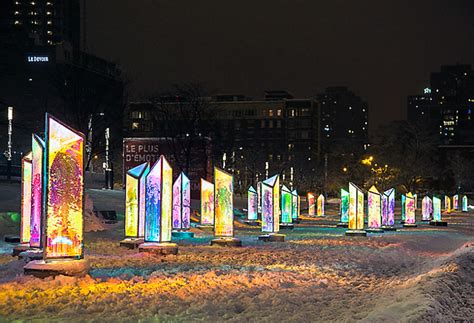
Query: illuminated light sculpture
x,y
437,213
25,220
286,208
224,210
252,206
388,210
356,211
344,209
415,196
403,208
63,251
426,208
410,220
37,198
295,212
311,204
271,210
135,191
374,202
158,209
464,203
447,204
259,197
182,207
320,205
207,203
456,202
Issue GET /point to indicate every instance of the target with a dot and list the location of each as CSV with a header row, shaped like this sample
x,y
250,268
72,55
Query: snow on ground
x,y
318,274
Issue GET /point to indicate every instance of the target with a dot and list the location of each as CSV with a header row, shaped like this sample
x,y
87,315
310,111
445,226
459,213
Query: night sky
x,y
383,50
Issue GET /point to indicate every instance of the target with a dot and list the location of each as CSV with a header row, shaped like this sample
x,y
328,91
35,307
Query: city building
x,y
344,119
252,138
447,106
43,69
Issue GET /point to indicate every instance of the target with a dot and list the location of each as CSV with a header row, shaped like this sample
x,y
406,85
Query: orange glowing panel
x,y
64,191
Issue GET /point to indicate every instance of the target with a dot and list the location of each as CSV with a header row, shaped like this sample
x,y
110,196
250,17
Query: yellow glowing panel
x,y
207,202
224,204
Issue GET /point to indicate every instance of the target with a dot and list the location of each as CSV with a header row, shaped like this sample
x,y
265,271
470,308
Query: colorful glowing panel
x,y
415,196
456,202
426,208
320,208
403,207
388,207
37,180
259,197
409,209
207,202
26,171
374,201
344,206
447,204
64,191
135,187
270,204
252,201
159,182
464,203
356,208
181,203
295,212
436,209
286,205
311,204
224,203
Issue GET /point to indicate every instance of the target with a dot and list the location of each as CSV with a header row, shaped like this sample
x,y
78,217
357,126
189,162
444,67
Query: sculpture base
x,y
163,248
205,227
287,226
272,237
425,221
439,223
374,230
131,243
182,234
42,269
11,238
226,242
389,228
402,222
252,223
409,225
20,248
342,225
356,233
32,254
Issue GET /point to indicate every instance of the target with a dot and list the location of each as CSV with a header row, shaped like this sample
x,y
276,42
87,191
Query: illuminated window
x,y
50,32
17,13
135,125
49,22
48,13
270,113
279,112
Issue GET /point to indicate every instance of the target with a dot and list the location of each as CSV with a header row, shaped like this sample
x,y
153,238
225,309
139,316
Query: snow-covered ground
x,y
318,274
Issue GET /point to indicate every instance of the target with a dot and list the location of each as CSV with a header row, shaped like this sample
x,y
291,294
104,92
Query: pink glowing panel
x,y
374,201
456,202
26,169
181,203
37,205
271,205
64,180
207,203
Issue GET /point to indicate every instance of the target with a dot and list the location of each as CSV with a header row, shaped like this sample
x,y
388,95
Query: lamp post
x,y
8,153
109,172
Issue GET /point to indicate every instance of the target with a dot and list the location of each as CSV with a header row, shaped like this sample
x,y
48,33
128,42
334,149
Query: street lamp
x,y
109,173
8,153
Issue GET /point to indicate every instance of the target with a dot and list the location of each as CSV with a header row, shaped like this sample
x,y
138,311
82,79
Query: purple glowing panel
x,y
181,203
37,179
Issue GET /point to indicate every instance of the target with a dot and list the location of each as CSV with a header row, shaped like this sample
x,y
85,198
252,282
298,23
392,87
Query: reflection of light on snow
x,y
62,240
